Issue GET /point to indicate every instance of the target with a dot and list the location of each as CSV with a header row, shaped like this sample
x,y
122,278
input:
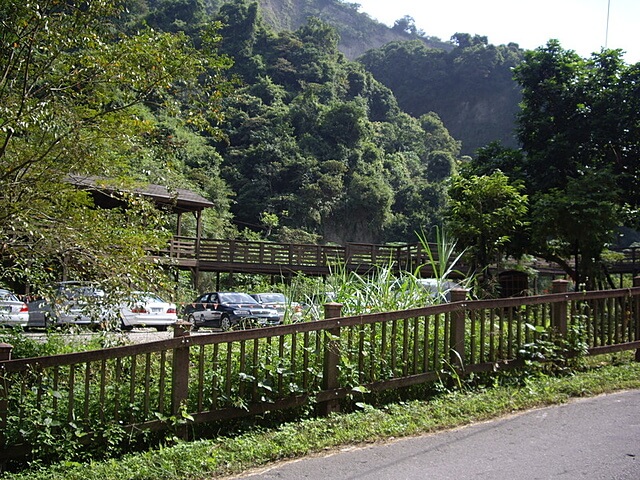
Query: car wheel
x,y
225,323
125,328
192,320
161,328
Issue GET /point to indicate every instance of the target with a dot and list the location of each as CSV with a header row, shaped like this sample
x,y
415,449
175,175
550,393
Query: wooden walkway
x,y
241,256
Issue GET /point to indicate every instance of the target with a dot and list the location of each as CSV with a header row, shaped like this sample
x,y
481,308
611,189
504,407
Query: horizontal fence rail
x,y
229,375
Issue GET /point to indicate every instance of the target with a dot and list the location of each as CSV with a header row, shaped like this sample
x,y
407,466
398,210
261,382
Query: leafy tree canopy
x,y
75,97
315,140
579,129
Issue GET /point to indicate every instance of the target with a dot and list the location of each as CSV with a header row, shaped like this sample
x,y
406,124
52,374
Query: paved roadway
x,y
595,438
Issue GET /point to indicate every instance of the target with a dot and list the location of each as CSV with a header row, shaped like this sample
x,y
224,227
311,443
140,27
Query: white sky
x,y
579,25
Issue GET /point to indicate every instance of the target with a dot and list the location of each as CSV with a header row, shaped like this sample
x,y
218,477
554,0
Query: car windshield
x,y
147,297
6,296
236,298
75,290
272,298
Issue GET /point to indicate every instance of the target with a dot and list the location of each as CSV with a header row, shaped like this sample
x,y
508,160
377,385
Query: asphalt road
x,y
595,438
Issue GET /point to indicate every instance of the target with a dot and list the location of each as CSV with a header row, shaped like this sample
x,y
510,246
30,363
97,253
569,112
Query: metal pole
x,y
606,37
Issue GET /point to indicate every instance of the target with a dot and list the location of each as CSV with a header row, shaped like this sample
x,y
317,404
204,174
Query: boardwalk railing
x,y
272,257
220,376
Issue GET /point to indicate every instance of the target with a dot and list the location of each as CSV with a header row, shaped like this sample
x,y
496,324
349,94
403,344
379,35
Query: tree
x,y
74,100
484,213
577,222
407,24
580,129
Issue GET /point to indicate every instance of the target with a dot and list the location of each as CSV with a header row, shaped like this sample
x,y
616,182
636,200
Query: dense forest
x,y
290,138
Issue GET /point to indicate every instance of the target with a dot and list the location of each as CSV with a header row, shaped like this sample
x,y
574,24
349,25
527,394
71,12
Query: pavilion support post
x,y
179,225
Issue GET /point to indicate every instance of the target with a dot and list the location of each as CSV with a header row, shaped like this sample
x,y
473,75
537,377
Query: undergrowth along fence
x,y
222,376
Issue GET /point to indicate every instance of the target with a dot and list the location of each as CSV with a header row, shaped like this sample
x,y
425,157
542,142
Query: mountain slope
x,y
358,31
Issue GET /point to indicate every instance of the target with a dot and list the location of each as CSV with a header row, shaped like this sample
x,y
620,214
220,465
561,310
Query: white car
x,y
146,309
13,311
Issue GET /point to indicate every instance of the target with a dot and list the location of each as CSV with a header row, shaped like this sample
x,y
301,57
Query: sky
x,y
579,25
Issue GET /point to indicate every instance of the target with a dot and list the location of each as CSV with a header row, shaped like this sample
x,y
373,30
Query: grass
x,y
226,456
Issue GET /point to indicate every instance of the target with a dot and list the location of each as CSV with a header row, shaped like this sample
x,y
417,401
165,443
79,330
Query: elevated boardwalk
x,y
241,256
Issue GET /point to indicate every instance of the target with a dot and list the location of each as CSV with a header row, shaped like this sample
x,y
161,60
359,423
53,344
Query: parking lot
x,y
137,335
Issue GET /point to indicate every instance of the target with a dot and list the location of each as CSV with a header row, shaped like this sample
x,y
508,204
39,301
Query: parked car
x,y
279,302
228,309
146,309
440,289
72,302
13,311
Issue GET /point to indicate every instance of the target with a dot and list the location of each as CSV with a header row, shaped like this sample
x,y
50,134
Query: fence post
x,y
636,314
331,358
456,338
5,351
559,310
180,366
5,354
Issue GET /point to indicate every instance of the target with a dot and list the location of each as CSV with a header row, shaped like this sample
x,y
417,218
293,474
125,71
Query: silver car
x,y
280,303
146,309
73,302
13,311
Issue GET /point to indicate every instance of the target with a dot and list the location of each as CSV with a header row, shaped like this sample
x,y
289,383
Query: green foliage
x,y
484,214
552,354
579,129
315,139
72,90
470,87
54,342
234,454
444,260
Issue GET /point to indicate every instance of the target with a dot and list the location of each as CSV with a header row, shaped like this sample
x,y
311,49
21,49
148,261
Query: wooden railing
x,y
221,376
272,257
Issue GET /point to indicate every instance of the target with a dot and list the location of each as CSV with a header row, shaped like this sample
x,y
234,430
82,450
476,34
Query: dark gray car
x,y
228,309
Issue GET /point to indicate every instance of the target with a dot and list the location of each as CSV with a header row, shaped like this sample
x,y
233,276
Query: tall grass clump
x,y
383,289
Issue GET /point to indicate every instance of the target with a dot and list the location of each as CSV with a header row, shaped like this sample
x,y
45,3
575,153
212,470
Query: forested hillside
x,y
290,139
471,87
314,148
287,137
465,80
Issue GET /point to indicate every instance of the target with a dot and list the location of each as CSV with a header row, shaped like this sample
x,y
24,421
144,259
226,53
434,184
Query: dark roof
x,y
105,193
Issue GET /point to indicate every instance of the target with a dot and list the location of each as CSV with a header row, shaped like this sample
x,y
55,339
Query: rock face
x,y
358,31
474,114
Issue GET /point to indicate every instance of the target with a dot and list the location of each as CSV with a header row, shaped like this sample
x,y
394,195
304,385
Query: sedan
x,y
147,309
279,302
13,311
72,302
228,309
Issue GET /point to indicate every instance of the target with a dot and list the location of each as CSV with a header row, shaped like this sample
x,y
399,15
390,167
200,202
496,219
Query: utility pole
x,y
606,37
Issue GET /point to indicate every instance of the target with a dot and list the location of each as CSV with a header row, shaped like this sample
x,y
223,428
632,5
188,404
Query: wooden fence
x,y
222,376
